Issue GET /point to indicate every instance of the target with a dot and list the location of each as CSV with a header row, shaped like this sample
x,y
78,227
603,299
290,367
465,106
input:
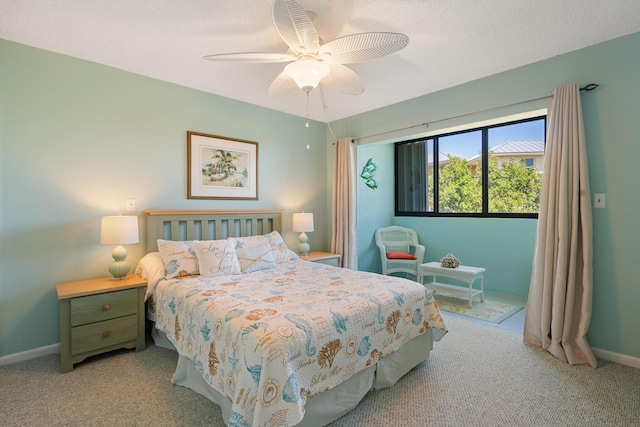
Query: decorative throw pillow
x,y
217,257
279,248
255,258
178,258
399,255
250,241
292,255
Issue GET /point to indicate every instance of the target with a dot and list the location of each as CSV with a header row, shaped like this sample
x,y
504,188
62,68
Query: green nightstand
x,y
100,315
322,258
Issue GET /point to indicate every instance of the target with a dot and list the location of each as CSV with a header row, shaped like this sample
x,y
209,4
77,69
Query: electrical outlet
x,y
599,200
131,204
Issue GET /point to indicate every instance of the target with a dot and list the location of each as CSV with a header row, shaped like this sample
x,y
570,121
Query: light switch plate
x,y
131,204
599,200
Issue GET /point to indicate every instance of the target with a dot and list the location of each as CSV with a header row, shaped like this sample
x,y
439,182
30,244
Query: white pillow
x,y
255,258
178,258
151,269
217,257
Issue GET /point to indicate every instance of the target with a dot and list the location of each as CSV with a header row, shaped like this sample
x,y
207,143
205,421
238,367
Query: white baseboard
x,y
30,354
622,359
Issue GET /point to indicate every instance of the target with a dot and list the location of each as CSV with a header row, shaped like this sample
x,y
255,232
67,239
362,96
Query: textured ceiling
x,y
451,41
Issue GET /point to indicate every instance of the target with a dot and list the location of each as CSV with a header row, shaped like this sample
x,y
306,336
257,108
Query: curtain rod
x,y
587,88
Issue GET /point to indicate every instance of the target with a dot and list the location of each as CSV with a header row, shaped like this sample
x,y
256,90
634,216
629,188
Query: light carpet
x,y
477,375
491,311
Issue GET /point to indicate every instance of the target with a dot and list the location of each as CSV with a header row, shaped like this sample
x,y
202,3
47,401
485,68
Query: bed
x,y
270,338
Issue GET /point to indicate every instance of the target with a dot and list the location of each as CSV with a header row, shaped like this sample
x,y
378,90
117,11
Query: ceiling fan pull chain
x,y
307,124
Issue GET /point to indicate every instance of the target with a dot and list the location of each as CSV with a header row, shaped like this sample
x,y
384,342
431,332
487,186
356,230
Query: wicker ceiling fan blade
x,y
280,84
343,79
295,27
363,47
250,57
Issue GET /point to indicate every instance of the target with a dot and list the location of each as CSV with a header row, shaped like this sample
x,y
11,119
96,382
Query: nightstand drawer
x,y
103,334
95,308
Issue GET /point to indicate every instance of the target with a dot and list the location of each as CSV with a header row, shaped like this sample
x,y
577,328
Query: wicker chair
x,y
400,251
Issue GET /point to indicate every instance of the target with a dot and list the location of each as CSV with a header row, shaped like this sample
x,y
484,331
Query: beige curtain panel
x,y
343,215
559,306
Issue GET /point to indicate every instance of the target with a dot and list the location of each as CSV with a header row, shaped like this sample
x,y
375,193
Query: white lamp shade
x,y
119,230
302,222
307,73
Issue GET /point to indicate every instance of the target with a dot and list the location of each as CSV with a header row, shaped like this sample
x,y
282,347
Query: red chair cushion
x,y
400,255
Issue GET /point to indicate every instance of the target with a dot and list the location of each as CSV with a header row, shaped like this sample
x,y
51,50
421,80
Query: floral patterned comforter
x,y
271,339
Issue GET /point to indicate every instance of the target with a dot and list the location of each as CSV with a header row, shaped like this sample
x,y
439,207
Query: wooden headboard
x,y
209,224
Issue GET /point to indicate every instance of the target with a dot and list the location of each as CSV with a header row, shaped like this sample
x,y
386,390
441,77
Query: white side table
x,y
462,273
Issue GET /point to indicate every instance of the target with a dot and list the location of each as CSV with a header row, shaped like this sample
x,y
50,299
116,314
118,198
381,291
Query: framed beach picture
x,y
221,168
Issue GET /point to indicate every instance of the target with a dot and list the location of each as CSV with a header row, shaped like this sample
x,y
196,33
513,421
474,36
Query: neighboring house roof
x,y
516,147
519,147
523,146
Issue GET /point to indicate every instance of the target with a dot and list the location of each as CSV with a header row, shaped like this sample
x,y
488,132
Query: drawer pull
x,y
106,334
106,307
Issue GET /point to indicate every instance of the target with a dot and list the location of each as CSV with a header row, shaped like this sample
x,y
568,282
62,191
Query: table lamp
x,y
303,222
119,230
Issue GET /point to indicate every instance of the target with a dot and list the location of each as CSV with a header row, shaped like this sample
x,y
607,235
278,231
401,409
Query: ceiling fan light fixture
x,y
311,60
307,72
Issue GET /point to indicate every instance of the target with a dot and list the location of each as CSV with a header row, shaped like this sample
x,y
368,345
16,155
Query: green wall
x,y
375,207
505,247
77,139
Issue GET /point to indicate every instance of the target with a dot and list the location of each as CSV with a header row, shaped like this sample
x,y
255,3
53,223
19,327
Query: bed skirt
x,y
330,405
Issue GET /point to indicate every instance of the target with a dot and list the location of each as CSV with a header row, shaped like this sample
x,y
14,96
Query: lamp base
x,y
119,269
303,246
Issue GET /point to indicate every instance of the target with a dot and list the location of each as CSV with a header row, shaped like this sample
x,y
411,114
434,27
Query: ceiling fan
x,y
311,62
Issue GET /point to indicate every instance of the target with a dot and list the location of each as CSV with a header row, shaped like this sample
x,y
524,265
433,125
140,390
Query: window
x,y
460,185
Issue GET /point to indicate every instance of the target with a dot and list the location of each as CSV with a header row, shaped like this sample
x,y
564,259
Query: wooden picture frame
x,y
221,168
